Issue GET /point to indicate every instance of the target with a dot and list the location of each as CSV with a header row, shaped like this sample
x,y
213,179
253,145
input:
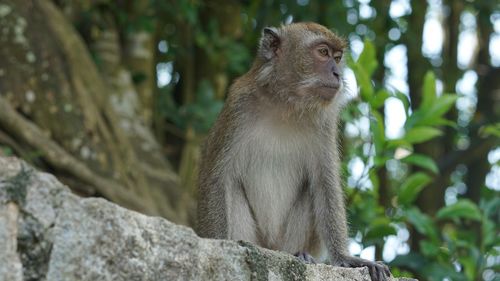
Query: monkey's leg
x,y
330,213
241,221
336,240
300,237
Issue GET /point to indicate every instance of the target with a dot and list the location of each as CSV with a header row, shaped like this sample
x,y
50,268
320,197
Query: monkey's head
x,y
301,64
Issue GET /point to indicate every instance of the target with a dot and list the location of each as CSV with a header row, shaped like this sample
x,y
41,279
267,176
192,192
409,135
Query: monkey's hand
x,y
378,270
305,257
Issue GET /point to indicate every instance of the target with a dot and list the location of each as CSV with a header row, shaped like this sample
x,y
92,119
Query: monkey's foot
x,y
305,257
378,270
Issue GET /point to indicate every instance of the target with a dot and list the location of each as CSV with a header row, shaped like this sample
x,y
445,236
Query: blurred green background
x,y
115,98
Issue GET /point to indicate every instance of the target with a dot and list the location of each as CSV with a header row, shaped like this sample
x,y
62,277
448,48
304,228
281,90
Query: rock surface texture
x,y
47,233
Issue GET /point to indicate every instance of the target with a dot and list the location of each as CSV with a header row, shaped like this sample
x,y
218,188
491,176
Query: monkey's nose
x,y
336,75
336,71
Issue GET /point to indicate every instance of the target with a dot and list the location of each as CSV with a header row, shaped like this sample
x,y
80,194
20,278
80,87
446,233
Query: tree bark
x,y
84,124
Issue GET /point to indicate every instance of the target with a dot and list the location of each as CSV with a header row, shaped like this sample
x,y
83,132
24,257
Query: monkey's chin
x,y
326,94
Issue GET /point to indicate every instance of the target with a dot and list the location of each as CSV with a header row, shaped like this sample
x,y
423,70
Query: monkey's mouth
x,y
327,92
335,86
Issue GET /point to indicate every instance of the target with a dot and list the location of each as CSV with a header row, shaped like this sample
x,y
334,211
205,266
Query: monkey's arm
x,y
212,214
331,217
329,207
212,208
212,179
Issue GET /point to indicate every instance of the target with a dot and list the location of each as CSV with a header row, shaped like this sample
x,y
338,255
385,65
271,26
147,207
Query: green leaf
x,y
488,231
406,102
428,90
440,271
380,161
379,228
363,70
366,87
443,122
490,130
430,114
374,179
391,144
470,266
421,134
491,206
422,161
411,187
379,98
463,208
363,79
422,223
411,260
428,248
368,58
439,107
414,119
378,131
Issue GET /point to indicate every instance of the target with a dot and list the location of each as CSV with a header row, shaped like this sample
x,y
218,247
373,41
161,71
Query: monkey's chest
x,y
273,172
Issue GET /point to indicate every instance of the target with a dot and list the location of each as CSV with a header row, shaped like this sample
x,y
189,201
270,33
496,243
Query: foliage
x,y
5,150
200,114
460,238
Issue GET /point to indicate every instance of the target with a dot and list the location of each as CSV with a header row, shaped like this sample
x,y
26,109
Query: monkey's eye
x,y
337,57
324,52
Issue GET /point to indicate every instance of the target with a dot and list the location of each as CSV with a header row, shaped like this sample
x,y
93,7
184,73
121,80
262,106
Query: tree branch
x,y
55,155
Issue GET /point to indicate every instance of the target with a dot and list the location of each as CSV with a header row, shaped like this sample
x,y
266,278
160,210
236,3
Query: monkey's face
x,y
323,72
302,64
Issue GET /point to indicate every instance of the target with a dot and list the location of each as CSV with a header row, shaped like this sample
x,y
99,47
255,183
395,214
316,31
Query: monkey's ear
x,y
269,43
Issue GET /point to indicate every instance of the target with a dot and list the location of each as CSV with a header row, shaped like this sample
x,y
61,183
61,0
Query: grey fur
x,y
269,170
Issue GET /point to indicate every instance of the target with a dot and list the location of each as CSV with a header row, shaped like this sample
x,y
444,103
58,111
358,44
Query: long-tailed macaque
x,y
270,166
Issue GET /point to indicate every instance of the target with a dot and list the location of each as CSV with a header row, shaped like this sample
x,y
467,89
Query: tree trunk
x,y
86,127
487,112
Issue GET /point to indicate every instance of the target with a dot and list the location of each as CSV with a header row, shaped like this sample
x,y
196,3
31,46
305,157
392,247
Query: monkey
x,y
270,166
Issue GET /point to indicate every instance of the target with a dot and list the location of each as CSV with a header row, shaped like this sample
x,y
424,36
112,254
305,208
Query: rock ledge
x,y
47,233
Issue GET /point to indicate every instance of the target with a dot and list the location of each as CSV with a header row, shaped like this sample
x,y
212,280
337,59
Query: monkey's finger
x,y
312,260
373,273
305,257
385,268
382,275
387,271
383,272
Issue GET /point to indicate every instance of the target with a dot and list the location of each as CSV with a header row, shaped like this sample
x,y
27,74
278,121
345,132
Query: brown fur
x,y
270,166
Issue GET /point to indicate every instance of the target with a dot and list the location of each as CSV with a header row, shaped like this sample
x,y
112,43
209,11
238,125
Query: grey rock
x,y
47,233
